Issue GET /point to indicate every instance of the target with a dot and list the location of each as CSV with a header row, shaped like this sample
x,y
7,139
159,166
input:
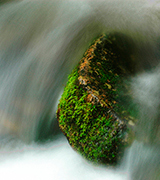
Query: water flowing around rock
x,y
40,43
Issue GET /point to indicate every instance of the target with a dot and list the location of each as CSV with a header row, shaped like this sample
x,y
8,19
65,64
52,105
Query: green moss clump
x,y
90,107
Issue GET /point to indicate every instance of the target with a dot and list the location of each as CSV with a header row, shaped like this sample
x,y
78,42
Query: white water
x,y
53,161
40,42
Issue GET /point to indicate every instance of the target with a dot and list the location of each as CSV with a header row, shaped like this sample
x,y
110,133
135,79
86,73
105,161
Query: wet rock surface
x,y
94,112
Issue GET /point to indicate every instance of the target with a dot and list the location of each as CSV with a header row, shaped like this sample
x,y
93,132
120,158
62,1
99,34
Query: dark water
x,y
40,42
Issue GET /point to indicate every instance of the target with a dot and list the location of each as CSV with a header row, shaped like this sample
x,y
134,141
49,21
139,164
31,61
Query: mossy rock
x,y
92,112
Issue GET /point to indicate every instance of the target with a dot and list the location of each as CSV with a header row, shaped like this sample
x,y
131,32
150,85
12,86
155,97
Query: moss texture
x,y
91,111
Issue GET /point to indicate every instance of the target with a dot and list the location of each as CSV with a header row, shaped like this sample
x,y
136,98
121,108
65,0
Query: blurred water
x,y
51,161
40,42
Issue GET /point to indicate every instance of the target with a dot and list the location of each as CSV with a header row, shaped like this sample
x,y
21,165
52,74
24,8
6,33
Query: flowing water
x,y
40,42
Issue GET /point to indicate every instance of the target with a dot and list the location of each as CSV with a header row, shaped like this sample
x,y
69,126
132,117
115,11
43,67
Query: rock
x,y
93,112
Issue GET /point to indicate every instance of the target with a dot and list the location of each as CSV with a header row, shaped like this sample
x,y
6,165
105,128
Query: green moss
x,y
90,114
88,130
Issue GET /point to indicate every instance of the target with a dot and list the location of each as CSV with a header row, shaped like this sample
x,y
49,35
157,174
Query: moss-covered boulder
x,y
93,112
